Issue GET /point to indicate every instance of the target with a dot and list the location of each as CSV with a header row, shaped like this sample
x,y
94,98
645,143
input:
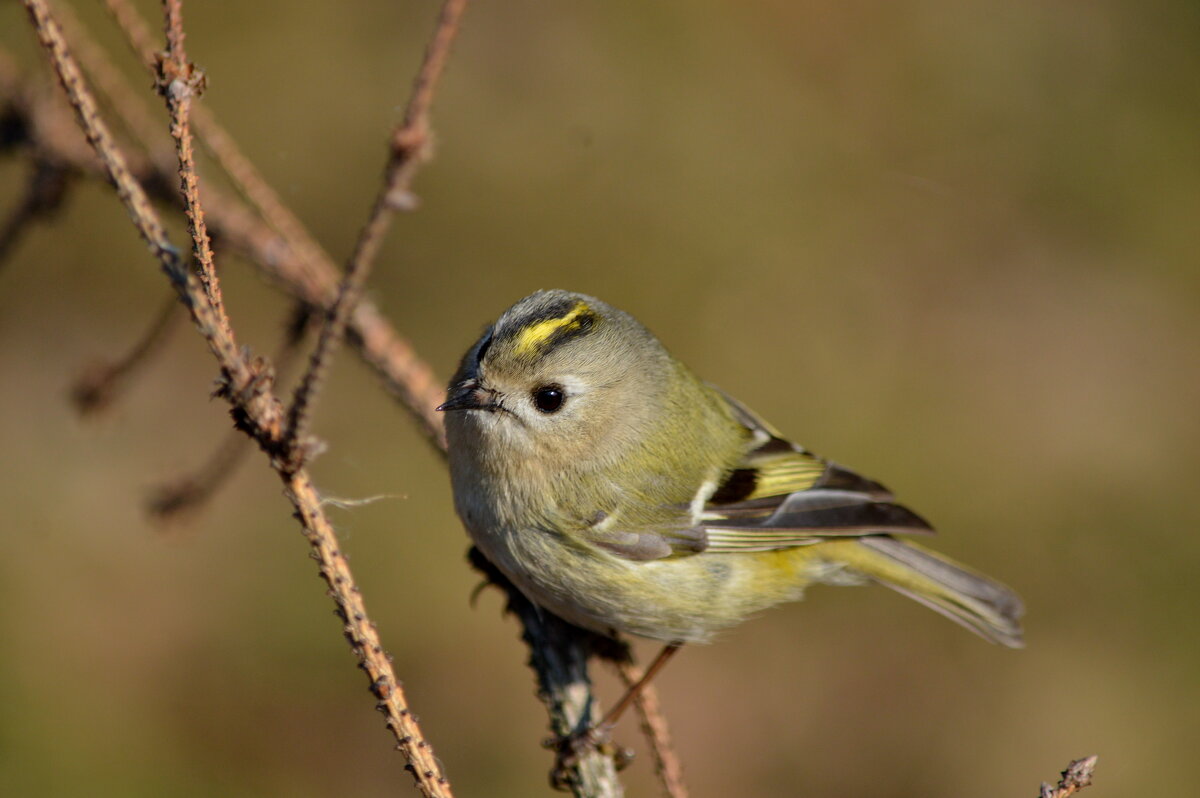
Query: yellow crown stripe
x,y
531,338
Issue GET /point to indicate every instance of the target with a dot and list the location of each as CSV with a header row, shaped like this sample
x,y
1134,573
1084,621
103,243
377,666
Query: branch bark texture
x,y
246,382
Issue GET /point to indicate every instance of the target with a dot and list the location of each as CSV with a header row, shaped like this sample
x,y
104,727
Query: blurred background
x,y
950,244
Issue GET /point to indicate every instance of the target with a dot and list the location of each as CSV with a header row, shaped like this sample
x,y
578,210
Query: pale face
x,y
560,384
533,414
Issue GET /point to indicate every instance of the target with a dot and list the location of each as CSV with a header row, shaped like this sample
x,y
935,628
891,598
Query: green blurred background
x,y
950,244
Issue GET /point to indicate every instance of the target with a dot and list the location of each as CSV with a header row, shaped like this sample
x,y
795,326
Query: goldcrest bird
x,y
622,493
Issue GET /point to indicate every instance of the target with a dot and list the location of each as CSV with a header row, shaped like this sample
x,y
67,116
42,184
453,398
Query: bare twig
x,y
364,638
95,389
36,121
654,727
1077,776
180,82
186,493
247,385
171,500
291,262
99,136
245,176
44,193
131,110
409,148
298,261
137,33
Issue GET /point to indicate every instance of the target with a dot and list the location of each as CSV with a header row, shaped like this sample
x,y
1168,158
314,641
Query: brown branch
x,y
38,121
300,264
217,141
96,388
35,119
247,385
44,194
180,81
101,140
137,33
128,105
184,494
309,277
170,500
50,178
289,257
409,149
1077,776
667,766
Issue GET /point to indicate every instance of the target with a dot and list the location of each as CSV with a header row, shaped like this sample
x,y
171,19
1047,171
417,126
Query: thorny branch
x,y
38,122
180,82
290,258
190,491
245,176
246,384
1077,776
655,729
410,144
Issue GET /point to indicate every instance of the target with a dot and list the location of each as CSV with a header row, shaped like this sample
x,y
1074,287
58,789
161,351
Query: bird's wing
x,y
781,495
777,496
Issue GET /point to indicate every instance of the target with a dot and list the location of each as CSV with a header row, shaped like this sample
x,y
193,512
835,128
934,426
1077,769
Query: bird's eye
x,y
549,398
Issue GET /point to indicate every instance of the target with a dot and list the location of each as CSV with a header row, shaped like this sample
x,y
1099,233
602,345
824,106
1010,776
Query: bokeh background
x,y
950,244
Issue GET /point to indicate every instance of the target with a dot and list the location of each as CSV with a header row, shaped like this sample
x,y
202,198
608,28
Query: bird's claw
x,y
569,749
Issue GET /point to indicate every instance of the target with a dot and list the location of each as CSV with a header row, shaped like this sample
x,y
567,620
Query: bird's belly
x,y
683,599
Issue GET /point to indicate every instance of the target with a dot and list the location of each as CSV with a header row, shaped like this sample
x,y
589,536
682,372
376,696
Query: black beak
x,y
469,395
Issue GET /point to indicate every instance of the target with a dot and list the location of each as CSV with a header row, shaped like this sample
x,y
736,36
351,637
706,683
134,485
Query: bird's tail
x,y
983,605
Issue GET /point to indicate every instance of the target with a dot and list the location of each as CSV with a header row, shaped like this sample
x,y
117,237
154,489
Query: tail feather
x,y
982,605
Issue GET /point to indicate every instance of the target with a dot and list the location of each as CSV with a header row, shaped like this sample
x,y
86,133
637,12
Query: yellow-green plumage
x,y
622,493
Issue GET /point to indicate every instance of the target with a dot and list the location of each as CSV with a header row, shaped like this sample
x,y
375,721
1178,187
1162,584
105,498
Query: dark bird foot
x,y
571,749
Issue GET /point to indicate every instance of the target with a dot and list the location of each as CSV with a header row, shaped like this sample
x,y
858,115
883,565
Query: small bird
x,y
622,493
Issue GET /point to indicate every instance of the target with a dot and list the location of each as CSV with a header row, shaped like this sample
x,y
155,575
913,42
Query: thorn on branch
x,y
1077,776
189,492
39,124
178,81
248,383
